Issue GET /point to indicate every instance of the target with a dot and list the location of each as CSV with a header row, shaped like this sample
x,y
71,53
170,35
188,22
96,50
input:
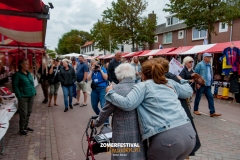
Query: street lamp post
x,y
79,47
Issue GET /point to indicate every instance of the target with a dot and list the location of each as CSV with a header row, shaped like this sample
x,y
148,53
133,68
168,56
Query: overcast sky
x,y
82,14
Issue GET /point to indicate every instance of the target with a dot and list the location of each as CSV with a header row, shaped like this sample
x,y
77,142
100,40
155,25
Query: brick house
x,y
174,33
89,49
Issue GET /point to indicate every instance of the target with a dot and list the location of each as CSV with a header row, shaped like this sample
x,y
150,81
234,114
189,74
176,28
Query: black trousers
x,y
187,110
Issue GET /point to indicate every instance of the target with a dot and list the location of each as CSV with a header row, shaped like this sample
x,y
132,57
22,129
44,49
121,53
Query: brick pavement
x,y
39,145
220,138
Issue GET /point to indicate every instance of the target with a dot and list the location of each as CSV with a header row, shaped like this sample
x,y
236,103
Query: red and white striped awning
x,y
132,54
109,56
179,50
219,47
197,49
23,23
144,53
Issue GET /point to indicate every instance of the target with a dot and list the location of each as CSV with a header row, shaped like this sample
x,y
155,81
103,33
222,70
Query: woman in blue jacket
x,y
98,75
162,119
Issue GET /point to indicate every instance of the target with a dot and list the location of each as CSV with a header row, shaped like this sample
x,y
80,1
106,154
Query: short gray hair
x,y
125,70
187,59
66,60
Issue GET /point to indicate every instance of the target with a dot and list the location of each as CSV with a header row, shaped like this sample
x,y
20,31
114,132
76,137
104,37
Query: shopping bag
x,y
231,95
212,88
220,91
225,92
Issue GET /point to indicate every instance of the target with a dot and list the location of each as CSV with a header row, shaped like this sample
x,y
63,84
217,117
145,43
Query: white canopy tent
x,y
74,55
198,49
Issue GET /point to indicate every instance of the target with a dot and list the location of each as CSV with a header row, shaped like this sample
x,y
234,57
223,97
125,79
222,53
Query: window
x,y
155,39
196,34
223,27
122,48
167,38
180,34
92,47
173,20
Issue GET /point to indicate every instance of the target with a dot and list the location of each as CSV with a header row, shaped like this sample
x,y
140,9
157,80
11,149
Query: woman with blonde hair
x,y
161,118
188,70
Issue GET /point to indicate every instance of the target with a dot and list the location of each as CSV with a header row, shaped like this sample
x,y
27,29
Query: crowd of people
x,y
150,105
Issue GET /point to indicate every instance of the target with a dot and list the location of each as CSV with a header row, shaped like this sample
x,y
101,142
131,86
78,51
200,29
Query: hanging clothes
x,y
232,57
226,69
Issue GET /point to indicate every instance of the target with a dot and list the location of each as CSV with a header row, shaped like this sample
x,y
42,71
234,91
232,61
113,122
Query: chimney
x,y
152,16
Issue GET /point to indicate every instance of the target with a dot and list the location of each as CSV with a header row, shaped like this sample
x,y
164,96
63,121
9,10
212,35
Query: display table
x,y
7,110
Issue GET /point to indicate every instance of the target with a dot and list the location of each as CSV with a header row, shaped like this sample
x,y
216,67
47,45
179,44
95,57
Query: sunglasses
x,y
190,62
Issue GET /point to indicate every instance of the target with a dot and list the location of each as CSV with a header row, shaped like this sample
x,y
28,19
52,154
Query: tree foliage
x,y
202,14
101,36
126,25
67,43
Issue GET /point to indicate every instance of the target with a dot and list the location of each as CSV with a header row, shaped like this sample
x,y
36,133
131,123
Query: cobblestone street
x,y
58,135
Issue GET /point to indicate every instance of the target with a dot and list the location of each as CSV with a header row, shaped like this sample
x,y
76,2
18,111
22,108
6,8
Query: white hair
x,y
66,60
150,57
187,59
125,70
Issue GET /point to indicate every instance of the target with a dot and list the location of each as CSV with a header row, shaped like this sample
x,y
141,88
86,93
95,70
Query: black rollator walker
x,y
94,140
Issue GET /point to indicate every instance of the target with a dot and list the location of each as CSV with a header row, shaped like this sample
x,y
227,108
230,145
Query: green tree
x,y
202,14
126,23
101,36
67,43
51,53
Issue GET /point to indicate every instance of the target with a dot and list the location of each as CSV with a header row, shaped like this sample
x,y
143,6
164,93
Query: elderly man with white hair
x,y
125,128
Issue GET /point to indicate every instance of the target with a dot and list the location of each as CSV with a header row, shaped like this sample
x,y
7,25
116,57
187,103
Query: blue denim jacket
x,y
139,70
201,68
158,106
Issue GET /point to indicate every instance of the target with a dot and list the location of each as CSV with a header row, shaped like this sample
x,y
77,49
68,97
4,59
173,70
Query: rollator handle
x,y
94,117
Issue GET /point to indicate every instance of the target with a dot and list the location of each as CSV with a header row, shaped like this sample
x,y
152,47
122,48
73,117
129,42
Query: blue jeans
x,y
207,91
97,96
67,92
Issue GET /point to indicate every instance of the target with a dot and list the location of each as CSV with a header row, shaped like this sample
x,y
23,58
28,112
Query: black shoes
x,y
66,109
192,154
29,129
45,101
23,132
71,107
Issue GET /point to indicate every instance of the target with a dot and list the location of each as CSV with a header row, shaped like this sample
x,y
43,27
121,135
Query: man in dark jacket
x,y
111,67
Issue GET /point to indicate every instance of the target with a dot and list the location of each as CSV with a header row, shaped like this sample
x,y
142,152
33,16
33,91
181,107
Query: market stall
x,y
8,107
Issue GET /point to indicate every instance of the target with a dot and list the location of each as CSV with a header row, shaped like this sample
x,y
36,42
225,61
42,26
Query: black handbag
x,y
95,85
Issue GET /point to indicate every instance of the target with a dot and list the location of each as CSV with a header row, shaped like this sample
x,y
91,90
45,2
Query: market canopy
x,y
198,49
23,23
219,47
110,56
73,55
132,54
144,53
179,50
158,52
